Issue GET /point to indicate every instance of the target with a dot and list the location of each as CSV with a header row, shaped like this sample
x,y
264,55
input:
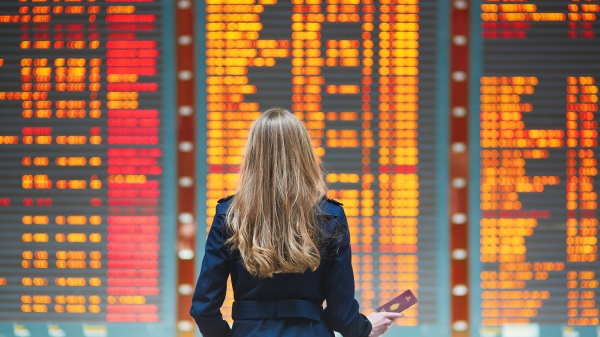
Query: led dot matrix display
x,y
82,186
359,74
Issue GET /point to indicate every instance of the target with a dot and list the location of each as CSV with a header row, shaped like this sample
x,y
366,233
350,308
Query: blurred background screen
x,y
87,210
533,151
363,78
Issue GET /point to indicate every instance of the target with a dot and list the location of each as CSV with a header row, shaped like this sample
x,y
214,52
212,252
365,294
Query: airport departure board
x,y
86,177
362,77
534,198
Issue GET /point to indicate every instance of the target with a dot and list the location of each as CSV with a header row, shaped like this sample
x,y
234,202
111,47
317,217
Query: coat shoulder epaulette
x,y
335,202
225,199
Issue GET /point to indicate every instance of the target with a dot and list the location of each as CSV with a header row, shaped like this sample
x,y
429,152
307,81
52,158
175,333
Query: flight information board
x,y
362,76
534,100
86,181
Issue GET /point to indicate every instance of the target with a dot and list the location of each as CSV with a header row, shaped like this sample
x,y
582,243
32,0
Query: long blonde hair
x,y
272,216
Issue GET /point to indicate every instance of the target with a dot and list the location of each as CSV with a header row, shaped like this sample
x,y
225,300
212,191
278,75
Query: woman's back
x,y
288,304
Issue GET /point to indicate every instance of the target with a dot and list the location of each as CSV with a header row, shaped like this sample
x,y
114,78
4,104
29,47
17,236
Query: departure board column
x,y
582,221
504,226
367,193
82,190
537,129
133,158
398,181
369,98
351,182
58,83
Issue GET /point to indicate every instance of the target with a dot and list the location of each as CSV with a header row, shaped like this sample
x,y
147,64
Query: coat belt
x,y
276,309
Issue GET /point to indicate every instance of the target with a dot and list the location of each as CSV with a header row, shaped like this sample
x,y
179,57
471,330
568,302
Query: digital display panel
x,y
362,76
534,100
86,175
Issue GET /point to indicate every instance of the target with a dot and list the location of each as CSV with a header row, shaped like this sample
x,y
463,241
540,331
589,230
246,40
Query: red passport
x,y
400,303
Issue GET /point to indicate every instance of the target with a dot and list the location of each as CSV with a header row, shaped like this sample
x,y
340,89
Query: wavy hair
x,y
272,217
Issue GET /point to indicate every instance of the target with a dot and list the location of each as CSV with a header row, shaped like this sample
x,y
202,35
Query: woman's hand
x,y
381,322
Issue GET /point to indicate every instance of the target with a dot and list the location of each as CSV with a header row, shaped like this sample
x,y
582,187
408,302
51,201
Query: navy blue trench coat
x,y
286,305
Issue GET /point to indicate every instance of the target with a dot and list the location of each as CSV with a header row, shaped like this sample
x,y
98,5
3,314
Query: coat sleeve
x,y
342,309
212,284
